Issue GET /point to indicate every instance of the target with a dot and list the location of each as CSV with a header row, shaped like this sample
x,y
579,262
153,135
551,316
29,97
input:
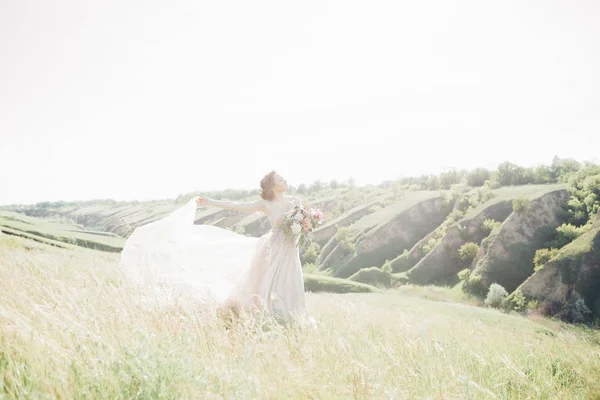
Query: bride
x,y
238,272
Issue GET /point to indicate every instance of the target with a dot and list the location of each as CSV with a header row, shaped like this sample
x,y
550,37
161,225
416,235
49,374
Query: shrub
x,y
463,231
475,278
521,204
374,208
596,309
468,251
488,225
311,254
575,311
401,263
309,268
518,301
344,238
387,267
532,305
474,285
398,191
464,274
372,276
566,233
495,296
485,243
492,183
430,245
320,283
543,257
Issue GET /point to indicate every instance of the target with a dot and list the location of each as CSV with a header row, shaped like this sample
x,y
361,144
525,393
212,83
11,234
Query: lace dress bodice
x,y
276,210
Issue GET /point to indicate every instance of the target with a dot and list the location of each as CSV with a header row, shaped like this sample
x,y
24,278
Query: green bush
x,y
468,251
463,232
387,267
311,254
344,238
401,263
372,276
518,301
441,231
464,274
430,245
532,305
474,285
521,204
492,183
309,268
319,283
374,208
575,311
566,233
489,224
543,257
495,296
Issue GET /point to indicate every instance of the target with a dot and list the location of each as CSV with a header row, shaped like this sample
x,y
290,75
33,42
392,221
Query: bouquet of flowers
x,y
299,223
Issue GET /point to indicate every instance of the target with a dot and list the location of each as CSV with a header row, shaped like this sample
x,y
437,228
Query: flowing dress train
x,y
217,264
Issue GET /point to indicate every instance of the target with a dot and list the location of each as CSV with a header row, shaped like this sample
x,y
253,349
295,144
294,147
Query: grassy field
x,y
388,213
509,193
48,231
72,327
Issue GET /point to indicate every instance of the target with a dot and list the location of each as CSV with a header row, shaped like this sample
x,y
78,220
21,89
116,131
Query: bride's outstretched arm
x,y
253,206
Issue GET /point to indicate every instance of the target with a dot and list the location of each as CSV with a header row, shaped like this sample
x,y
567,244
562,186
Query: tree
x,y
316,186
301,189
447,179
478,176
509,174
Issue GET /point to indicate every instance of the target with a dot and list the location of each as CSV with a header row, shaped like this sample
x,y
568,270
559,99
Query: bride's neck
x,y
277,196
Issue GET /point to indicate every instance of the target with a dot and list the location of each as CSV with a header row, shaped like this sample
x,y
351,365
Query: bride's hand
x,y
202,201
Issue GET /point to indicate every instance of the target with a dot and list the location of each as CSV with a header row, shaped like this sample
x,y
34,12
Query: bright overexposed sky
x,y
144,99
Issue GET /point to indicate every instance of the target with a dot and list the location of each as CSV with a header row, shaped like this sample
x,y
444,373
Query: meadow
x,y
72,326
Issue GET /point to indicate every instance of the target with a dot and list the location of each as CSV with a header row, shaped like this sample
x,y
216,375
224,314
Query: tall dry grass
x,y
72,327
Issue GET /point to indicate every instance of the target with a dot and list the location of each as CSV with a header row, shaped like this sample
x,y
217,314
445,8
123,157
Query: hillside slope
x,y
574,272
384,234
443,262
507,259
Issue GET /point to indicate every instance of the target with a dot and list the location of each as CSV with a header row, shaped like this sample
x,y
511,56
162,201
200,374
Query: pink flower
x,y
319,215
299,217
306,224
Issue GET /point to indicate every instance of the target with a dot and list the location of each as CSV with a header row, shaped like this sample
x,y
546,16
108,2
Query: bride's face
x,y
279,184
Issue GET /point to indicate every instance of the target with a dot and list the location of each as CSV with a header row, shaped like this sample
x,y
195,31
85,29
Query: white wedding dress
x,y
216,264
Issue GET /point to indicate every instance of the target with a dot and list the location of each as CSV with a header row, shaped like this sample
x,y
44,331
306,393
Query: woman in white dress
x,y
238,272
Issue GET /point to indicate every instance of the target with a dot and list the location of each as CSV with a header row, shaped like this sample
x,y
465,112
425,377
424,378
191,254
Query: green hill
x,y
466,229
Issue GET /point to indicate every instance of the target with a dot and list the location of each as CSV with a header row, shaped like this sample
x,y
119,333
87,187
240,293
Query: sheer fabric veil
x,y
205,260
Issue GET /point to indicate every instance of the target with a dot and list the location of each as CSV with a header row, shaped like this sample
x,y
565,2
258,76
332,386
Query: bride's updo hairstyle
x,y
266,186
